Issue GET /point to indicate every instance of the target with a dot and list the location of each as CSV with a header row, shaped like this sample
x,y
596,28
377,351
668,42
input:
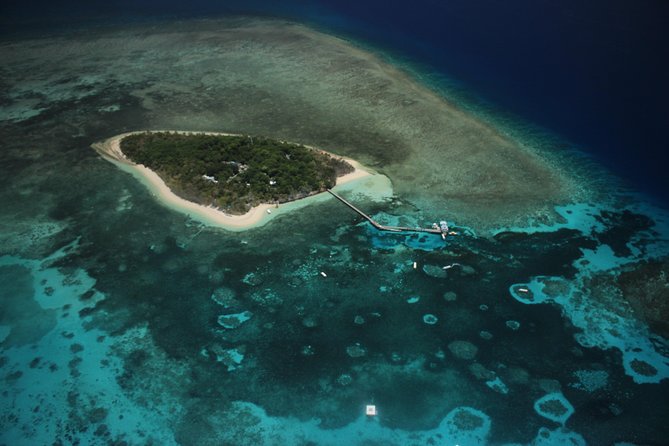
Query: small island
x,y
228,180
234,173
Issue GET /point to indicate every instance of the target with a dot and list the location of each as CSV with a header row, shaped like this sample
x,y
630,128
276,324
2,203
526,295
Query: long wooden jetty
x,y
381,227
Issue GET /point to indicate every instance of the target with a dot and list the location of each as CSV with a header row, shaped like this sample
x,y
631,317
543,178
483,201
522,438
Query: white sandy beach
x,y
366,181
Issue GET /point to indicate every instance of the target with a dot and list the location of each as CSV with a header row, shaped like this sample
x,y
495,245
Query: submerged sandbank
x,y
364,180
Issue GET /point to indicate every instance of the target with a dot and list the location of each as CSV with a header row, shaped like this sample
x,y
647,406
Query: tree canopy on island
x,y
234,173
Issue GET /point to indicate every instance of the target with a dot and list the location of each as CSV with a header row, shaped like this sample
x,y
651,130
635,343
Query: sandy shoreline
x,y
110,150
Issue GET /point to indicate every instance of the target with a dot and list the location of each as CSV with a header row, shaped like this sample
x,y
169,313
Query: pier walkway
x,y
381,227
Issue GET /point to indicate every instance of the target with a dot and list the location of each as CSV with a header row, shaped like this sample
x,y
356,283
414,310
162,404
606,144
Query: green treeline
x,y
243,171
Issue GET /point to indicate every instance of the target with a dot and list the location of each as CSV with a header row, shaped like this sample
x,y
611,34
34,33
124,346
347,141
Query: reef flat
x,y
287,82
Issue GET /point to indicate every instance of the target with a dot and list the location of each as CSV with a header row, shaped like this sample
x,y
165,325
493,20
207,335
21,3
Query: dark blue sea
x,y
541,318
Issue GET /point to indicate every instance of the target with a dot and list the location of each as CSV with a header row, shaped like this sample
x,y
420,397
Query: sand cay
x,y
375,186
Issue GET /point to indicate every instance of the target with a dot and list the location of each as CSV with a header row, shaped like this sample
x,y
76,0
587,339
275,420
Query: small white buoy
x,y
323,274
415,265
370,410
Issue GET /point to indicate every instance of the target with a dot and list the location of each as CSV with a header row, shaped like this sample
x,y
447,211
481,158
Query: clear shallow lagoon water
x,y
124,321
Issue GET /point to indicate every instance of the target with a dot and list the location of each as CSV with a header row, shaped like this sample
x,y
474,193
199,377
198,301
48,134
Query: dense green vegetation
x,y
242,171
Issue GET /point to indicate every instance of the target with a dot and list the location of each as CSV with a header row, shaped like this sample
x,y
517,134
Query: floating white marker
x,y
415,265
370,410
523,290
323,274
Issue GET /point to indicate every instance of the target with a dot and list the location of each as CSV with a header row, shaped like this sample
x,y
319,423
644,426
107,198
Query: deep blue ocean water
x,y
593,72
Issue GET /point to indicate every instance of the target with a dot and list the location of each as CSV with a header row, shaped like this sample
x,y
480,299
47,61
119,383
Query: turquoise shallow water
x,y
123,321
176,336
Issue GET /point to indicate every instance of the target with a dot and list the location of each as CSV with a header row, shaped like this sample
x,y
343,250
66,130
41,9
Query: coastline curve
x,y
366,181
